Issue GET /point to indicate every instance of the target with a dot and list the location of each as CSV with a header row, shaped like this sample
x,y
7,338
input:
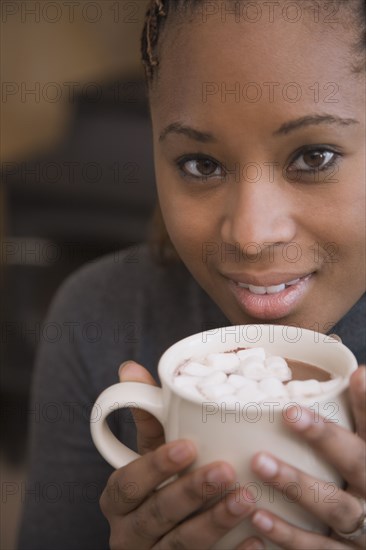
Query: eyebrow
x,y
286,128
192,133
311,120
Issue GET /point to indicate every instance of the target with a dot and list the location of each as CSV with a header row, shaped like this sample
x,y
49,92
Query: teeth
x,y
264,289
268,289
293,282
275,288
257,289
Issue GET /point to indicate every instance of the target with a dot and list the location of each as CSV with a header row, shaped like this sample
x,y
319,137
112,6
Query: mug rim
x,y
187,343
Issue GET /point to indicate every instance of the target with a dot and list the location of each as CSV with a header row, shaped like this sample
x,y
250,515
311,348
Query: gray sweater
x,y
120,307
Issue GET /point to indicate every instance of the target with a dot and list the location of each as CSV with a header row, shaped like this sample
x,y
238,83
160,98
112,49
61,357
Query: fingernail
x,y
180,452
298,418
123,365
237,506
220,474
262,521
265,465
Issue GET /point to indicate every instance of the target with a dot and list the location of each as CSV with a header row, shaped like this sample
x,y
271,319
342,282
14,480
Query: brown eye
x,y
315,159
201,168
205,167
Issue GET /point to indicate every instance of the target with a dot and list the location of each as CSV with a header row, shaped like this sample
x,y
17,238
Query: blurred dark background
x,y
77,177
91,195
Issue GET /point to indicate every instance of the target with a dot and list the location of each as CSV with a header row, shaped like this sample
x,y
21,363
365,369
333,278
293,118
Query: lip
x,y
271,279
271,306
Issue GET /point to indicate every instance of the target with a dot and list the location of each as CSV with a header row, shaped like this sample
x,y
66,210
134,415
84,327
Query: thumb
x,y
150,433
358,399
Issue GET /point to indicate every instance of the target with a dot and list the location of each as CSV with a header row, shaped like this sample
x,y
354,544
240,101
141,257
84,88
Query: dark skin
x,y
229,211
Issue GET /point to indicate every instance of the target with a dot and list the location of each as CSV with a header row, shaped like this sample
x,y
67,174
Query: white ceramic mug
x,y
229,435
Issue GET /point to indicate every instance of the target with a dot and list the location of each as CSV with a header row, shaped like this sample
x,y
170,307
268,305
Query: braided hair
x,y
155,18
150,35
158,10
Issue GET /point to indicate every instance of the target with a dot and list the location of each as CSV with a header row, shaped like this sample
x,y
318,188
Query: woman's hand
x,y
142,516
343,449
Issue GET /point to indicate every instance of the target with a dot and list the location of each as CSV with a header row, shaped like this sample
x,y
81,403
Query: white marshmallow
x,y
226,362
217,377
259,353
254,369
248,383
283,374
330,385
272,387
214,392
275,361
298,388
193,368
278,368
252,378
236,380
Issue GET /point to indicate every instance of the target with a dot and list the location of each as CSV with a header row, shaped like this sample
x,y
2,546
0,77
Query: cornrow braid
x,y
150,35
157,12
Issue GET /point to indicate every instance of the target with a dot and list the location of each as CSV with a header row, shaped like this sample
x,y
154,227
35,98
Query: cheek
x,y
187,219
335,216
348,226
187,227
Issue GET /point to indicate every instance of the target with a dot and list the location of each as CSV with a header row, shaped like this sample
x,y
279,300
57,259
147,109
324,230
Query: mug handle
x,y
119,396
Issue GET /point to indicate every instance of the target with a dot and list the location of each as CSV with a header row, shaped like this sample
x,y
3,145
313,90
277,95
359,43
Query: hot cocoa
x,y
251,375
305,371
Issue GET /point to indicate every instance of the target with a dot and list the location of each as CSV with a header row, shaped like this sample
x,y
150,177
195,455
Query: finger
x,y
340,447
288,536
205,529
333,506
358,400
251,544
150,433
129,486
167,507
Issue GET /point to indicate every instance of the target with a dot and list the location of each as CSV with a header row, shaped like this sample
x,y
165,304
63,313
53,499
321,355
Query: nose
x,y
258,215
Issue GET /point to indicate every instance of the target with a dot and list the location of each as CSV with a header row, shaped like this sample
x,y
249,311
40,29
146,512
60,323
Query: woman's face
x,y
259,154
